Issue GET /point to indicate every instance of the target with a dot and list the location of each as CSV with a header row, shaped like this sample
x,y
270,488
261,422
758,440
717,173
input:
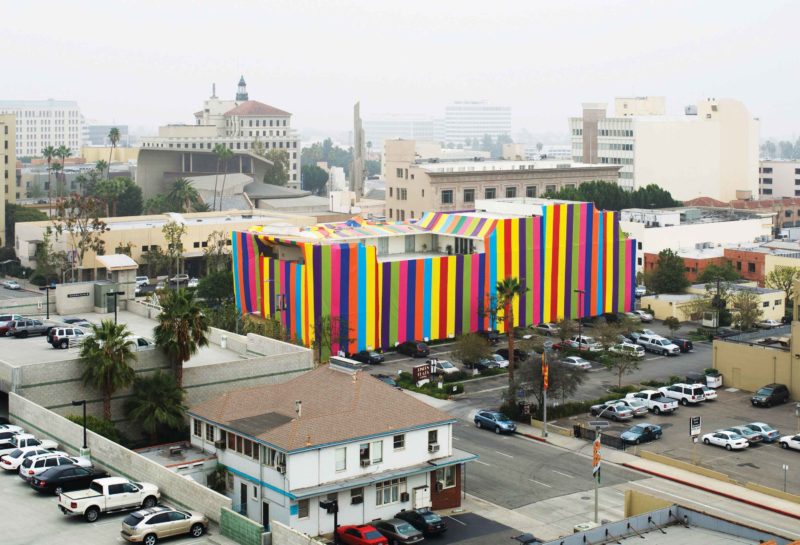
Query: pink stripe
x,y
626,272
401,304
336,257
252,288
581,234
475,293
537,278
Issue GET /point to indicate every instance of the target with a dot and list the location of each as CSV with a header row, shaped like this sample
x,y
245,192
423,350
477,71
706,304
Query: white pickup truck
x,y
656,401
107,495
22,440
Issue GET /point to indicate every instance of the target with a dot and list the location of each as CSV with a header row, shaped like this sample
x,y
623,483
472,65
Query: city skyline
x,y
544,60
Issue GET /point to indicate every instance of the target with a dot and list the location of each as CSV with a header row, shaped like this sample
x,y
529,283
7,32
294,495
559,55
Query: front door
x,y
422,497
243,498
265,514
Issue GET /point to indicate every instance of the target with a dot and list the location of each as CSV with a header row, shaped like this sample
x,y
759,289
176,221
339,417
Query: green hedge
x,y
406,380
573,408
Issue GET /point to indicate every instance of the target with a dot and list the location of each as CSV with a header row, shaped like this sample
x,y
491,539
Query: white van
x,y
658,344
627,349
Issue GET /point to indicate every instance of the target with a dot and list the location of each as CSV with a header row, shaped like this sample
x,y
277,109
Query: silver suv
x,y
26,327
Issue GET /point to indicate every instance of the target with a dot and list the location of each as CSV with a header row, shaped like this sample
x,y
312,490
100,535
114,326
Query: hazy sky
x,y
152,62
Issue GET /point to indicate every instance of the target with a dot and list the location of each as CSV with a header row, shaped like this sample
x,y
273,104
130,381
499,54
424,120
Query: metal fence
x,y
613,441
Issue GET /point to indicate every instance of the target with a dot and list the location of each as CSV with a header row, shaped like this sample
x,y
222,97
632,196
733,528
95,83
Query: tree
x,y
278,172
672,323
314,179
724,272
101,166
49,153
157,403
100,426
471,348
50,265
129,202
110,191
566,329
326,152
564,380
783,278
78,218
327,330
747,309
223,154
607,334
611,196
157,205
216,253
669,275
106,356
183,195
216,287
507,290
57,168
16,213
173,233
621,365
372,167
63,153
113,137
182,329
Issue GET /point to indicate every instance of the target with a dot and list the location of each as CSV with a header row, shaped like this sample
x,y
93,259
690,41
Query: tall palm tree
x,y
57,168
106,357
113,136
63,153
182,328
157,402
48,153
507,290
101,166
223,155
183,194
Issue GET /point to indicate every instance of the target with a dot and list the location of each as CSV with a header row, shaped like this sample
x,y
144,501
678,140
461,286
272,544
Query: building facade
x,y
97,135
415,186
248,128
778,179
472,120
712,150
287,447
42,123
380,128
370,285
8,167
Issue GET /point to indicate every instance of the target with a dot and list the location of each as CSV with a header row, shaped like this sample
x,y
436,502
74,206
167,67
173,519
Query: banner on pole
x,y
545,373
596,460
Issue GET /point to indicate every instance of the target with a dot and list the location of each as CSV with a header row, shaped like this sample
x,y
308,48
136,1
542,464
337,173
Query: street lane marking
x,y
503,454
456,438
564,474
482,463
458,521
541,483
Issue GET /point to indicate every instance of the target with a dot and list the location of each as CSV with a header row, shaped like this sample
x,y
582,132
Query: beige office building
x,y
778,179
8,167
415,186
710,151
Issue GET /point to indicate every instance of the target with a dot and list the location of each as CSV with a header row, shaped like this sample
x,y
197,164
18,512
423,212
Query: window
x,y
447,196
469,195
231,441
341,458
530,191
433,437
209,432
511,192
766,181
198,428
248,447
302,509
751,267
370,453
255,492
387,492
787,213
765,304
767,170
766,191
390,191
377,452
638,260
738,265
778,302
549,189
356,493
399,441
489,193
447,476
639,245
399,172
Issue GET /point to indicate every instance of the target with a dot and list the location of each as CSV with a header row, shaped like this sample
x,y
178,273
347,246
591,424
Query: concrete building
x,y
380,128
472,120
415,186
785,210
695,260
247,127
42,123
712,150
682,229
8,168
370,447
97,135
777,179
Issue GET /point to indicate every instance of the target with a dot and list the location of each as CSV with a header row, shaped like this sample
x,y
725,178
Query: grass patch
x,y
406,381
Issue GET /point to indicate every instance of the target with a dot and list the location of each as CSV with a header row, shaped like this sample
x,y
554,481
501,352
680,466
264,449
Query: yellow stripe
x,y
515,263
562,258
451,295
435,287
548,264
501,253
609,260
370,317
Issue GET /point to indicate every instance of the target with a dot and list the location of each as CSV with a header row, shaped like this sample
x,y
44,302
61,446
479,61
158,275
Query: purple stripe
x,y
387,293
459,293
615,286
411,298
568,267
587,236
317,272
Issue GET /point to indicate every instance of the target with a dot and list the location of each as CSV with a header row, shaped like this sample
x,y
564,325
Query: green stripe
x,y
393,301
466,295
326,286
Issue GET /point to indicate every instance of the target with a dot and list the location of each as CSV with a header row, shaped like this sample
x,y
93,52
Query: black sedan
x,y
67,477
424,520
415,349
367,356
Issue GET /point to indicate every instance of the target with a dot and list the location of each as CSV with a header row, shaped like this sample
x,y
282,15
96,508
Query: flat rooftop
x,y
440,166
687,215
180,455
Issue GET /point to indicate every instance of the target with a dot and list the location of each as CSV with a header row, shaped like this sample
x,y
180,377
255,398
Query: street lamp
x,y
115,294
580,293
76,404
47,290
332,507
598,425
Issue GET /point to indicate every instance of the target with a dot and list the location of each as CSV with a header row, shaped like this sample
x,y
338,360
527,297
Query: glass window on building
x,y
341,458
469,195
302,509
446,476
447,196
387,492
511,192
530,191
490,193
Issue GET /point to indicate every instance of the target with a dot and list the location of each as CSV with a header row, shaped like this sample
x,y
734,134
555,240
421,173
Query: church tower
x,y
241,92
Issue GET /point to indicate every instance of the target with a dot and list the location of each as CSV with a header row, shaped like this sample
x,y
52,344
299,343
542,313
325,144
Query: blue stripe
x,y
411,298
236,250
362,297
426,299
298,296
600,255
260,482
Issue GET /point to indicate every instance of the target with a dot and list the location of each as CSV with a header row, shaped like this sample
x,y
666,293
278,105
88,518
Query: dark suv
x,y
684,344
367,356
493,337
771,394
415,349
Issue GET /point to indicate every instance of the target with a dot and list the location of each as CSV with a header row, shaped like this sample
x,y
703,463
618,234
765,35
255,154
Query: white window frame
x,y
340,459
388,492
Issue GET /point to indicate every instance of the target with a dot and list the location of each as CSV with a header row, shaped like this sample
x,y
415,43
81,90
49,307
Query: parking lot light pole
x,y
76,404
115,294
580,314
46,290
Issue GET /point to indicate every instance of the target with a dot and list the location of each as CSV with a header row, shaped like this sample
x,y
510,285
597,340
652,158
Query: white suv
x,y
39,464
685,393
14,459
60,337
658,344
584,343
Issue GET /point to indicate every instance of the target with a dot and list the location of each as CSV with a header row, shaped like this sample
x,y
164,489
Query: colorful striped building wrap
x,y
572,261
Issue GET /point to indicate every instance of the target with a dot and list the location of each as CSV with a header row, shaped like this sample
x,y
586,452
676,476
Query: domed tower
x,y
241,92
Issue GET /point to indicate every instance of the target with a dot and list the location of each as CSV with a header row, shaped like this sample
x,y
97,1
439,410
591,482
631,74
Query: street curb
x,y
531,436
712,491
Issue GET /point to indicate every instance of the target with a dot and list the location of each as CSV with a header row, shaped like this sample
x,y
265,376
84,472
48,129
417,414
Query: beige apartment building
x,y
778,179
8,166
415,185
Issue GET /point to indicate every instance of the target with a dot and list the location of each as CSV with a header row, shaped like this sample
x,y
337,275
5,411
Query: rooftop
x,y
667,217
733,286
256,108
325,406
438,166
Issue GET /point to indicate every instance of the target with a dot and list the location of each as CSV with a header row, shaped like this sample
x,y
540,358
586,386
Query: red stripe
x,y
594,291
352,321
419,267
554,269
443,300
507,244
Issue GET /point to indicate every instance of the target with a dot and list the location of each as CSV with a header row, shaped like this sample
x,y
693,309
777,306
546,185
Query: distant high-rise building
x,y
359,151
779,178
471,120
42,123
711,150
8,167
97,135
380,128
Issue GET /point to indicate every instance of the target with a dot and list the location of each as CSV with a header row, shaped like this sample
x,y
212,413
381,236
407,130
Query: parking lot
x,y
761,463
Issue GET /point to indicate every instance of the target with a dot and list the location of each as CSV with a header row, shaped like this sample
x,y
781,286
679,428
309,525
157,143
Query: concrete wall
x,y
637,503
240,529
751,367
27,306
74,298
283,535
116,458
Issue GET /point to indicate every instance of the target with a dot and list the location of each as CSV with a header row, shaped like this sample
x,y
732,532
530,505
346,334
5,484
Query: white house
x,y
332,433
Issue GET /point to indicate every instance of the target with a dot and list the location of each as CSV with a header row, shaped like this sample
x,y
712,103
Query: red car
x,y
360,535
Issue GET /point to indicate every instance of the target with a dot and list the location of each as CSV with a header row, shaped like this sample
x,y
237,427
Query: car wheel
x,y
784,445
63,344
769,404
497,430
150,539
656,410
728,447
637,441
684,402
91,514
58,490
197,530
706,441
149,501
24,334
478,424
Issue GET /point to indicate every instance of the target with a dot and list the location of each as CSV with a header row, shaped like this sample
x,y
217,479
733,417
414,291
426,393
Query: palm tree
x,y
223,155
183,194
106,357
48,153
113,136
507,290
63,153
100,166
182,328
157,402
57,168
201,207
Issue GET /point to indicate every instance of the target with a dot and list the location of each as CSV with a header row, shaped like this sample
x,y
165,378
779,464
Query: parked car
x,y
5,319
368,356
11,285
584,343
494,421
641,291
630,350
768,324
26,327
15,458
74,320
36,465
725,332
182,278
142,281
363,534
768,433
641,433
11,428
685,345
140,343
644,316
751,436
614,412
685,393
398,531
481,365
790,441
634,335
710,393
65,477
501,362
728,439
548,329
658,344
633,317
415,349
577,361
442,367
424,520
103,496
149,525
519,355
60,337
769,395
492,337
637,407
22,440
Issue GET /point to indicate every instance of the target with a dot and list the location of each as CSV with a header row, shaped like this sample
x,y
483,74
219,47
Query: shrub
x,y
573,408
100,426
493,371
675,378
653,383
457,377
711,371
627,389
38,279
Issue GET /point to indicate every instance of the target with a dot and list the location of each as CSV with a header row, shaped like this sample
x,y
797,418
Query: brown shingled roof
x,y
254,108
705,201
336,406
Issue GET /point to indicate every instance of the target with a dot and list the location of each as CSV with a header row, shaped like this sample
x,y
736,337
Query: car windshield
x,y
133,519
431,517
374,354
405,528
15,454
445,364
637,429
373,534
501,417
764,391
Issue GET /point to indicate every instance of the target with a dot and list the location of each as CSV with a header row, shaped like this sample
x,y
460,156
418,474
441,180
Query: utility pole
x,y
47,290
580,314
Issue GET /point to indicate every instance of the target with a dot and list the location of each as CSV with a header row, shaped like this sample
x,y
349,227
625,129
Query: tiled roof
x,y
337,406
706,201
254,107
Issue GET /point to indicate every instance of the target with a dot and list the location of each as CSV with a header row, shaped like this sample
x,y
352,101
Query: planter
x,y
714,381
